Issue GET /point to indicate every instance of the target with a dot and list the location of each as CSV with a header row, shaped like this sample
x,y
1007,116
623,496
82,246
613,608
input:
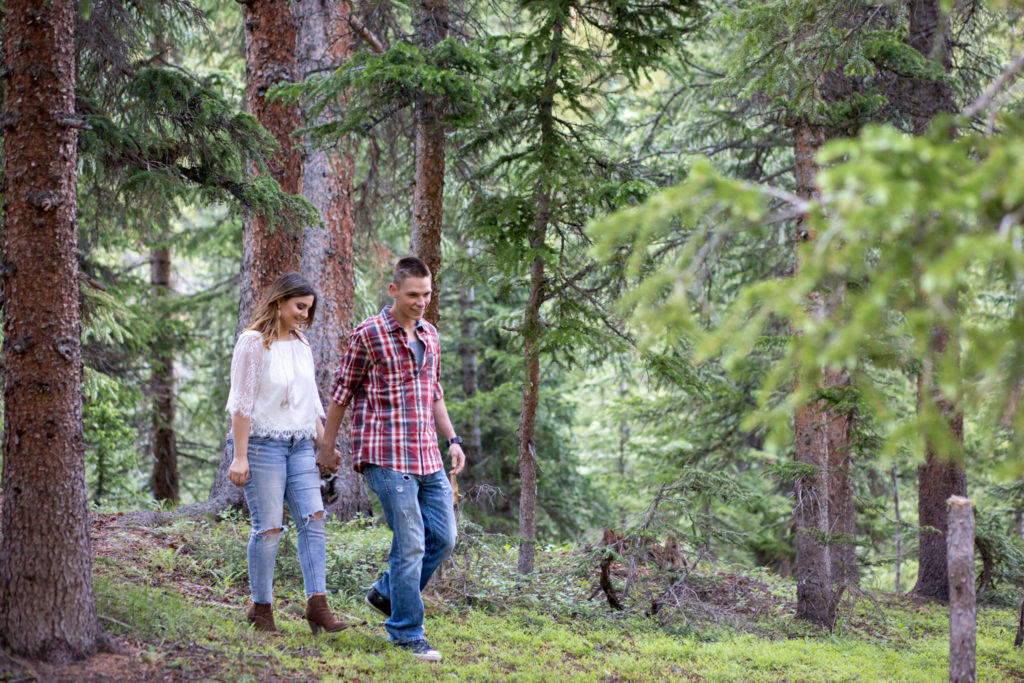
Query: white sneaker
x,y
420,649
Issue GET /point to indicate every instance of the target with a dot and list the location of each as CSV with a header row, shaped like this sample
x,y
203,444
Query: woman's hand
x,y
327,461
238,472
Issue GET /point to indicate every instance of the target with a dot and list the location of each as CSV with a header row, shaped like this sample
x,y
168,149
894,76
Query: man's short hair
x,y
409,266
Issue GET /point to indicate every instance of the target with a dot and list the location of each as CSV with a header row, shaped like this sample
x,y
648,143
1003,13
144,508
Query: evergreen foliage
x,y
641,154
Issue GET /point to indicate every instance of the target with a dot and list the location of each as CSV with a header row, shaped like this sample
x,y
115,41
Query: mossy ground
x,y
174,597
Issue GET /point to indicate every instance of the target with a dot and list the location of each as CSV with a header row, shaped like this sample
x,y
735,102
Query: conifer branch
x,y
232,187
91,282
375,44
985,99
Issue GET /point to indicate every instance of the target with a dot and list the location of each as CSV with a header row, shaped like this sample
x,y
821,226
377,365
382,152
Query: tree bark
x,y
270,45
428,191
531,399
939,477
164,480
841,513
811,442
47,607
325,40
929,35
962,608
813,560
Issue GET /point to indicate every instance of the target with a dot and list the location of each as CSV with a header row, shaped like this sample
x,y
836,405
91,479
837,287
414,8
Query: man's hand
x,y
328,460
238,472
458,458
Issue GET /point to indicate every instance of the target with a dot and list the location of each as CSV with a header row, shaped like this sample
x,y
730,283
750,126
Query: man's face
x,y
411,297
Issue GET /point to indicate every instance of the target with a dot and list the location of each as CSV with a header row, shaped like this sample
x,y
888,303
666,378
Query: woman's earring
x,y
278,311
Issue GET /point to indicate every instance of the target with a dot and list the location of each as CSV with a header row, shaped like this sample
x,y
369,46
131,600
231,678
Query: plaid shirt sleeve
x,y
352,370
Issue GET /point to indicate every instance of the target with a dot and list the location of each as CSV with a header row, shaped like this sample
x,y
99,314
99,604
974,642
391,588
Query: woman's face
x,y
294,312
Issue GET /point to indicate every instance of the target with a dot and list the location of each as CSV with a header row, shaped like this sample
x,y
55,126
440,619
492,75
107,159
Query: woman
x,y
275,415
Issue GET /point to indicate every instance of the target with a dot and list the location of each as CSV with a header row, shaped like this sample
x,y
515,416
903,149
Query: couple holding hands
x,y
389,378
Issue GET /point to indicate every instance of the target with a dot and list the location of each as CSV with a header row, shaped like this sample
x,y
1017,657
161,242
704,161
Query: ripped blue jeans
x,y
279,472
419,511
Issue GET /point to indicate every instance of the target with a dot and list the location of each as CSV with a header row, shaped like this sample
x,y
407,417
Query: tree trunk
x,y
1019,640
325,40
164,479
813,560
470,375
533,327
936,481
899,527
528,415
929,35
939,477
623,433
962,609
270,35
841,517
47,608
811,440
428,192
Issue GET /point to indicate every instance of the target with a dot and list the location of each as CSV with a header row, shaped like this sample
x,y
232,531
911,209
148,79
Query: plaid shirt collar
x,y
392,322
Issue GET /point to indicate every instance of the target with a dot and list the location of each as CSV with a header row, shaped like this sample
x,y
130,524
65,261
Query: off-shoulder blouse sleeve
x,y
246,371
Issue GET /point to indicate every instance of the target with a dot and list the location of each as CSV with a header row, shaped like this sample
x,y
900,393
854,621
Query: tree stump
x,y
962,609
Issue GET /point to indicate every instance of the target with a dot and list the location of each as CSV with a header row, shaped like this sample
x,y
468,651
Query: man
x,y
390,376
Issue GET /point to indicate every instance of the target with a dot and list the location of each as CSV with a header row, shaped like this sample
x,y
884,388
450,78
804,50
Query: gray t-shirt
x,y
419,349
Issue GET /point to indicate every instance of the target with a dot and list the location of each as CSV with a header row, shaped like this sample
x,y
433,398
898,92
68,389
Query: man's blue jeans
x,y
419,511
281,471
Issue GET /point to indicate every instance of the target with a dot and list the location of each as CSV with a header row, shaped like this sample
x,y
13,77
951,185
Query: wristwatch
x,y
452,441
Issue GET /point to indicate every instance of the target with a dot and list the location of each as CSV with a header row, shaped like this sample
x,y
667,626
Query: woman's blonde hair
x,y
288,286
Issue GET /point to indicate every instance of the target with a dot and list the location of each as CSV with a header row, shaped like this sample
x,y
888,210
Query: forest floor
x,y
172,598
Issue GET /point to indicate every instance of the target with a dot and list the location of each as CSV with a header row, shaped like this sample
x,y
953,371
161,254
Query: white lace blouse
x,y
274,387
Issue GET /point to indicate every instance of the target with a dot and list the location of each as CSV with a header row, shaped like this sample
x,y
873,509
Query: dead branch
x,y
606,582
374,42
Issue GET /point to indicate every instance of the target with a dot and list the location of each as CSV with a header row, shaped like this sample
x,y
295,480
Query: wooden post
x,y
962,611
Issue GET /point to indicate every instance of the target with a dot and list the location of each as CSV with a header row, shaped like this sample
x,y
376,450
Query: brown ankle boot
x,y
319,615
261,617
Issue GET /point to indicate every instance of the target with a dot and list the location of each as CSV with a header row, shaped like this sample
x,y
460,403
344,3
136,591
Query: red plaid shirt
x,y
392,403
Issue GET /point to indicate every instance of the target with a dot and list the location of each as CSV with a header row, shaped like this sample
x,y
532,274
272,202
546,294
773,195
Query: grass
x,y
180,599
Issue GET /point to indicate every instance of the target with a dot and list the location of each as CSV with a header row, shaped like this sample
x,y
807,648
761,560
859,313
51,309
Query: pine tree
x,y
47,608
556,178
